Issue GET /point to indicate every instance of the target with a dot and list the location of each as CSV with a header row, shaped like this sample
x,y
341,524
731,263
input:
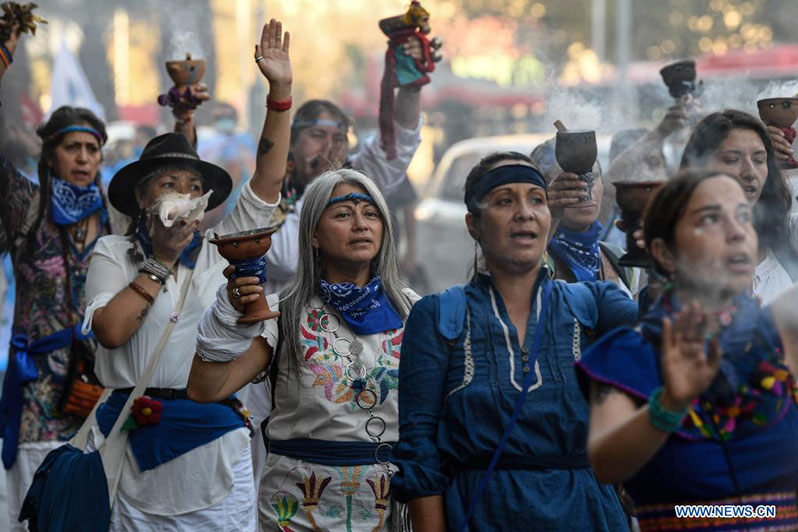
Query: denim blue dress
x,y
455,398
736,446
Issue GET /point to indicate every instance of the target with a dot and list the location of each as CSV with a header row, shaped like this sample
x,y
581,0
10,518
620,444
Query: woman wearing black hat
x,y
190,464
50,229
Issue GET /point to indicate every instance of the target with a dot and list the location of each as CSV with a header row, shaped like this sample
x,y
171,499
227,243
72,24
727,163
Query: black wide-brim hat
x,y
169,149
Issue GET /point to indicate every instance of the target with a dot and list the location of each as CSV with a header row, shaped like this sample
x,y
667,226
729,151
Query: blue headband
x,y
511,173
80,129
355,197
318,122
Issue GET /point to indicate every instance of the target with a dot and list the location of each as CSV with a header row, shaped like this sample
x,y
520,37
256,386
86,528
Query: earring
x,y
316,254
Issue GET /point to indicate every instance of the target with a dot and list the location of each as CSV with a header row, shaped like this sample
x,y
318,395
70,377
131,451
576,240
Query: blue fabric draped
x,y
184,425
188,257
72,203
69,493
579,250
22,370
365,309
332,453
250,268
692,465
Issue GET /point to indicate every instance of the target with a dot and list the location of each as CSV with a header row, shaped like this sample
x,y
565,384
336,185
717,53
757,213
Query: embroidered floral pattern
x,y
330,368
758,400
286,506
312,492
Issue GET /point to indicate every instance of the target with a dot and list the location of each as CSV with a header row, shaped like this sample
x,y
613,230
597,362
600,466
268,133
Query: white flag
x,y
69,85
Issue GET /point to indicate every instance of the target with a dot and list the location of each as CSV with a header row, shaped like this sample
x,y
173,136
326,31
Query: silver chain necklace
x,y
356,372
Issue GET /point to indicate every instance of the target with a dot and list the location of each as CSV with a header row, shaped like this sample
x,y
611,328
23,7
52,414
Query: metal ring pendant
x,y
328,327
361,371
378,430
341,346
384,448
368,404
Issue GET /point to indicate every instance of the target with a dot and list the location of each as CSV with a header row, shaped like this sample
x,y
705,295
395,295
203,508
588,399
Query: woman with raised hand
x,y
738,144
189,464
474,452
50,229
333,356
698,404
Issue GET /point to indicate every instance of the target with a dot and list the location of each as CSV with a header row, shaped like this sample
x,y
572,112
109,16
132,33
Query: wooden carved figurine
x,y
402,70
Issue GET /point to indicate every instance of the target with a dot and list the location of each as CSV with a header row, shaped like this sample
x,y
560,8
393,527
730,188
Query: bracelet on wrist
x,y
283,105
153,266
661,418
5,56
140,290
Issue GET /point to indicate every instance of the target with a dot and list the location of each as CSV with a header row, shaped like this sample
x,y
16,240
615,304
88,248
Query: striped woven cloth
x,y
663,518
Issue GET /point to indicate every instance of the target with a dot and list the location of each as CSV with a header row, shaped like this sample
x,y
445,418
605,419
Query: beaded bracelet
x,y
5,56
140,290
284,105
663,419
155,267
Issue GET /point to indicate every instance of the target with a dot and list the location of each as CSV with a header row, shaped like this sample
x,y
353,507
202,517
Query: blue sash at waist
x,y
579,461
184,425
22,370
333,453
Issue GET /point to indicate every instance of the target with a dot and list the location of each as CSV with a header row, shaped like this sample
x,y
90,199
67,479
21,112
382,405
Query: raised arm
x,y
271,56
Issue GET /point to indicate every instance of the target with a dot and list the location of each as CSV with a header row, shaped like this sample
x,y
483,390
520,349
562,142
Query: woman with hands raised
x,y
698,403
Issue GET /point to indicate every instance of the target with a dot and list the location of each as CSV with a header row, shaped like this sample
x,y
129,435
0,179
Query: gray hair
x,y
295,298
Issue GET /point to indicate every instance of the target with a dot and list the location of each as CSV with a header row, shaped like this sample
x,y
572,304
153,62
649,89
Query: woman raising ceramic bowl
x,y
334,354
698,404
190,466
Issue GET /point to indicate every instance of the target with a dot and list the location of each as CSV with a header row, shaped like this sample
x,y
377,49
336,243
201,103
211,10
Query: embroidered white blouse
x,y
321,404
204,475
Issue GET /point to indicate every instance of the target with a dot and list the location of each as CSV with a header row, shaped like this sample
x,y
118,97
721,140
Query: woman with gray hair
x,y
333,357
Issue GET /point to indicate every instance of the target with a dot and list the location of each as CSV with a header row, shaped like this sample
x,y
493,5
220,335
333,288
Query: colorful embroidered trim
x,y
662,517
5,56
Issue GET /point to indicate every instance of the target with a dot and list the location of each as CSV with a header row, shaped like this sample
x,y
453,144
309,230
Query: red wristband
x,y
284,105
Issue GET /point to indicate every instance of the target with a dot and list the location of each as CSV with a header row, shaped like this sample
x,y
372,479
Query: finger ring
x,y
236,292
259,59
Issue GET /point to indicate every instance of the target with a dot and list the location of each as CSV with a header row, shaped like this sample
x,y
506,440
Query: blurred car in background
x,y
445,250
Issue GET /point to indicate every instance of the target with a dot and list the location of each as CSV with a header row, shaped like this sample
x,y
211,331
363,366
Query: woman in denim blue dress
x,y
467,358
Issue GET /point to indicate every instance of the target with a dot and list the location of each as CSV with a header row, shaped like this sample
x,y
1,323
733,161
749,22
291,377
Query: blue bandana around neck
x,y
70,203
579,250
365,309
189,255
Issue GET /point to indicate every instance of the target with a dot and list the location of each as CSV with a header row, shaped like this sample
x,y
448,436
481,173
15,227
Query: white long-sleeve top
x,y
370,159
202,476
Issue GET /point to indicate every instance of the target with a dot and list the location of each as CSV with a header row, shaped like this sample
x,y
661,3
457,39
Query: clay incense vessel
x,y
779,112
186,72
576,151
248,245
679,77
632,199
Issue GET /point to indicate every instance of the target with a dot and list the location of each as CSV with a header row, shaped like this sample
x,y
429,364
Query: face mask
x,y
225,125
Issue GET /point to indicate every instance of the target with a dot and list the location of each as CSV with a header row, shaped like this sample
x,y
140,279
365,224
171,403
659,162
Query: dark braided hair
x,y
62,117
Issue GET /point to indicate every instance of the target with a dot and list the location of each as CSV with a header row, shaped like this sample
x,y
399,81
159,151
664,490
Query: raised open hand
x,y
271,54
687,367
